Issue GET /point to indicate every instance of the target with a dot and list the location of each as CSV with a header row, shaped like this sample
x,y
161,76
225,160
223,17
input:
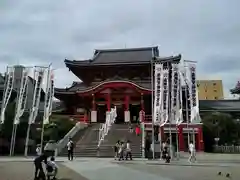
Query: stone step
x,y
96,154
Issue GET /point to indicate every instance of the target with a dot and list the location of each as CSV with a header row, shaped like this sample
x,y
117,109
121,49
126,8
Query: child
x,y
168,158
38,150
51,168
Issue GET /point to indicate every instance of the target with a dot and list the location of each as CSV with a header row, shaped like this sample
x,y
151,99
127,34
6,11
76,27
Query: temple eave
x,y
101,86
175,58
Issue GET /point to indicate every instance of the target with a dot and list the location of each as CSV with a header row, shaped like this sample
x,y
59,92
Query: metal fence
x,y
227,149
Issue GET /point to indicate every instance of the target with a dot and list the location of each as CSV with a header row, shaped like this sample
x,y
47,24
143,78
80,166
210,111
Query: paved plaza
x,y
105,168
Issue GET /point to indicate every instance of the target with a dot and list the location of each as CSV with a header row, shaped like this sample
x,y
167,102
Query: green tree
x,y
236,90
58,128
6,129
222,126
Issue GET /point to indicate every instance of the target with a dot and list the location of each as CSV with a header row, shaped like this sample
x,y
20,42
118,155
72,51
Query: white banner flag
x,y
38,77
175,94
165,98
180,117
48,96
158,92
193,93
22,96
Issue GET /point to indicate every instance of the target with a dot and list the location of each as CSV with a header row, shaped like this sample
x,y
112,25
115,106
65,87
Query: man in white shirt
x,y
70,146
128,151
192,151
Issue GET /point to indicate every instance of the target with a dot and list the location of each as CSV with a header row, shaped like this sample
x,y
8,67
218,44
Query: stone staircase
x,y
86,144
120,132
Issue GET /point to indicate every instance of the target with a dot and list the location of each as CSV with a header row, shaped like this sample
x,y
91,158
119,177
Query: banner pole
x,y
45,113
153,131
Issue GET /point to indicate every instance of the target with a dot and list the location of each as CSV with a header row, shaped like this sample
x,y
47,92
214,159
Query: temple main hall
x,y
121,78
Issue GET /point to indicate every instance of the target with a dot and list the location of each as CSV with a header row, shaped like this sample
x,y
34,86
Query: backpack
x,y
72,145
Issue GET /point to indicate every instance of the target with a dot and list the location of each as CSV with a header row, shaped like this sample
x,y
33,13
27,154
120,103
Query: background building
x,y
210,89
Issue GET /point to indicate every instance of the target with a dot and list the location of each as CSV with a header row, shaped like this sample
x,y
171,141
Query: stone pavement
x,y
18,168
140,170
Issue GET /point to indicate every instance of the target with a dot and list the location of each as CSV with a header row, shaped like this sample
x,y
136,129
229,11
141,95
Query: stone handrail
x,y
63,142
227,149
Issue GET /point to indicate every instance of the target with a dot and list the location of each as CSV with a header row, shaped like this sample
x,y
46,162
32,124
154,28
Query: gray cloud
x,y
40,32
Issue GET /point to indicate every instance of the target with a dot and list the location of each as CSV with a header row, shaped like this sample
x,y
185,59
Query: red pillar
x,y
108,99
161,129
181,138
93,103
142,102
126,103
200,139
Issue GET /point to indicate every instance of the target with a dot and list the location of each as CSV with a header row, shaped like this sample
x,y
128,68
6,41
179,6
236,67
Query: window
x,y
205,90
215,90
215,97
214,84
205,97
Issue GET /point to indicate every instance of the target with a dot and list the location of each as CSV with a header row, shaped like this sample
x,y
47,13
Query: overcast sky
x,y
38,32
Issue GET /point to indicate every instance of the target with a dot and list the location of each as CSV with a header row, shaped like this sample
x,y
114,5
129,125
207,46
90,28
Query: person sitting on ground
x,y
51,168
167,158
38,165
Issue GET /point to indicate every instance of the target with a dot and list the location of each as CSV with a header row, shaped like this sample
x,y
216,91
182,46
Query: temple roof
x,y
81,87
118,56
219,105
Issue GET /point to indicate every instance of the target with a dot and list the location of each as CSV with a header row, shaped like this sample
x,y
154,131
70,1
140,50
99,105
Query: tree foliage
x,y
222,126
58,128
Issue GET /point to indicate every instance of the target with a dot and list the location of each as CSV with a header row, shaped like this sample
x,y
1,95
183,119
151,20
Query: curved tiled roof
x,y
81,87
118,56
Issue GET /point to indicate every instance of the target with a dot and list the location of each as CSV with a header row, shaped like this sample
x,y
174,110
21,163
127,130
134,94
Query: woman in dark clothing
x,y
116,148
147,147
38,165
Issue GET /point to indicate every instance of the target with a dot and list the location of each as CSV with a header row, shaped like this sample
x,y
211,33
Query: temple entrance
x,y
120,114
134,112
101,113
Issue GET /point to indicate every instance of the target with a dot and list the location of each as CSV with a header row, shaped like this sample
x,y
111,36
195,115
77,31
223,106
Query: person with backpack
x,y
70,147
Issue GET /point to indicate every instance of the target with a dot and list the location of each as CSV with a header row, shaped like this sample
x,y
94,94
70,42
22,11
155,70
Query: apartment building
x,y
210,89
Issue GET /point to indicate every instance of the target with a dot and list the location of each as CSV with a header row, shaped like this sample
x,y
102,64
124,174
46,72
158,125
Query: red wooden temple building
x,y
121,78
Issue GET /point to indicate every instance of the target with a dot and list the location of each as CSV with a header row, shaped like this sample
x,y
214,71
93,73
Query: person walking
x,y
128,151
192,151
116,147
121,151
70,147
137,130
